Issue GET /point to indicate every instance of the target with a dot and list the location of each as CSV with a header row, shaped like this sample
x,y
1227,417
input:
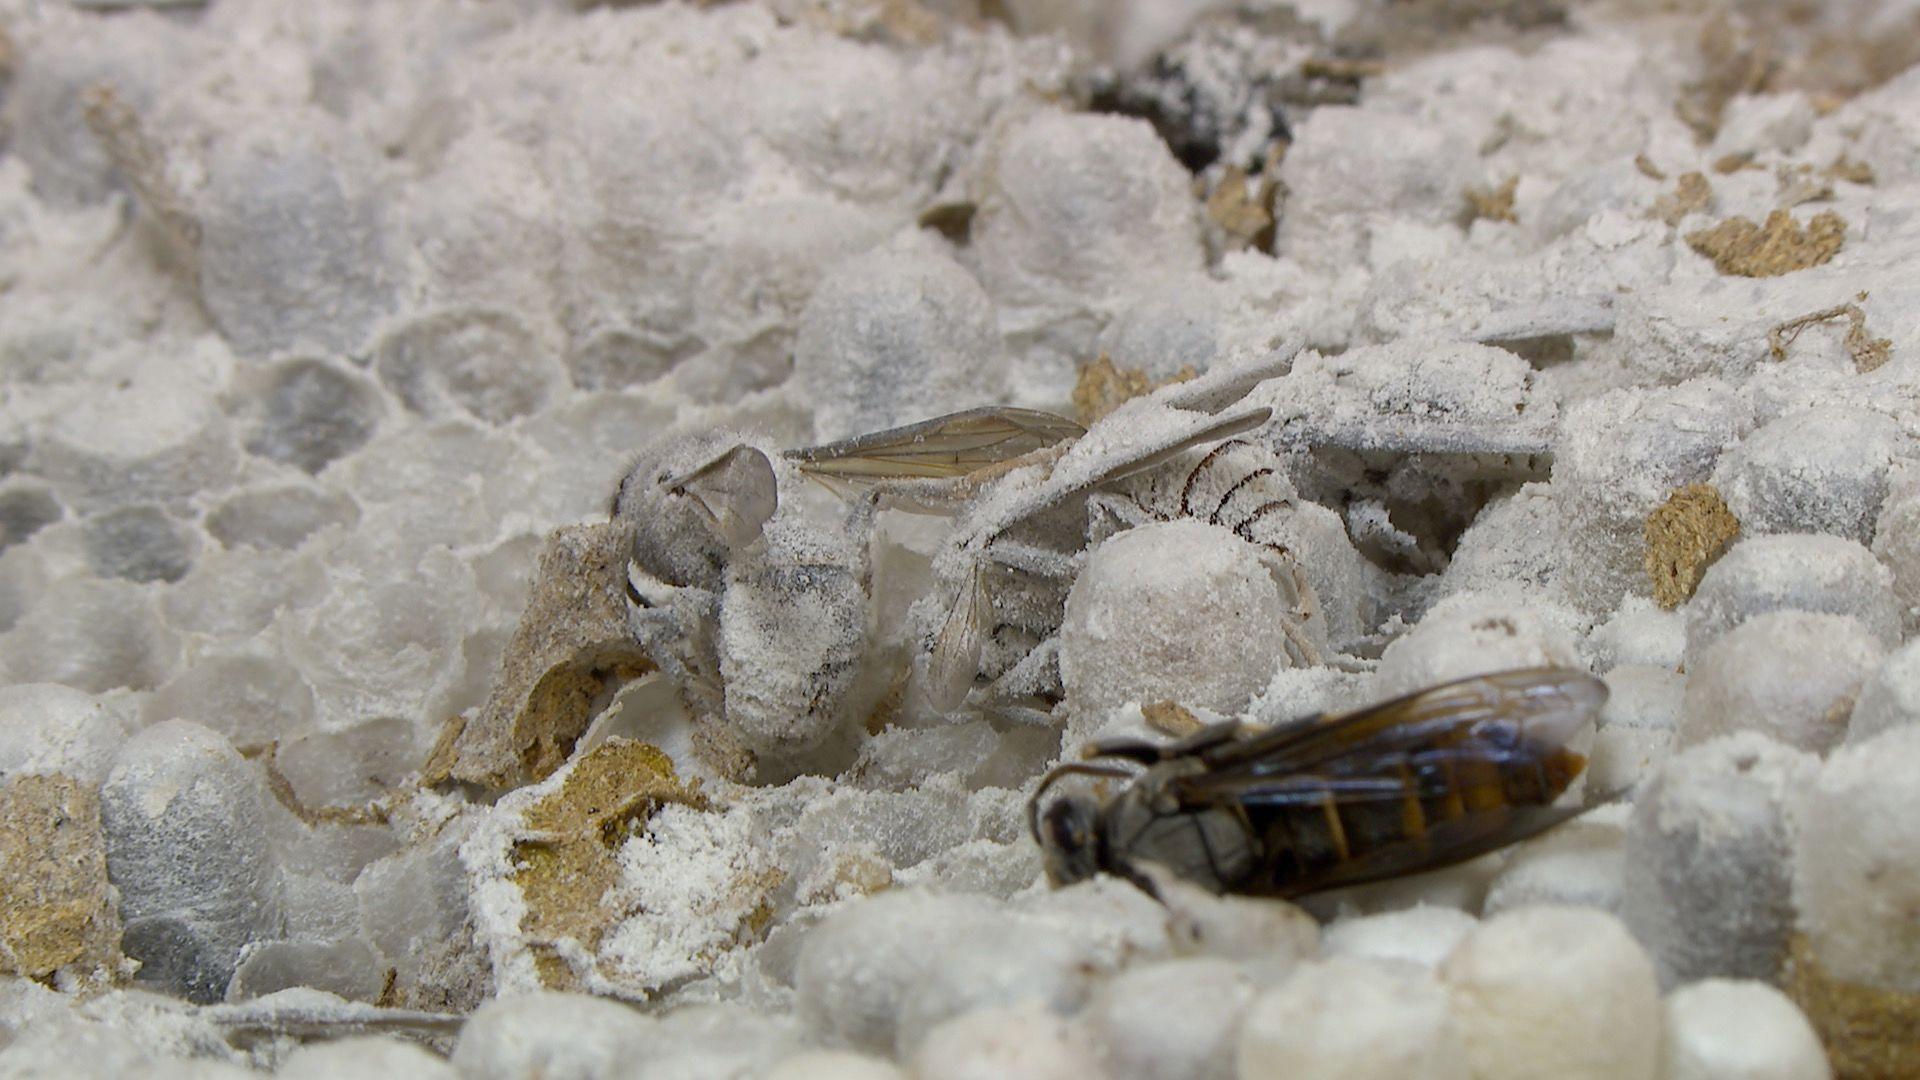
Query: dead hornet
x,y
1417,783
1020,484
756,616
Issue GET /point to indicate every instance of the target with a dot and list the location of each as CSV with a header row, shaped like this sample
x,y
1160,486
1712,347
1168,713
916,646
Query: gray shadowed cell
x,y
139,543
25,511
294,251
486,364
313,414
280,517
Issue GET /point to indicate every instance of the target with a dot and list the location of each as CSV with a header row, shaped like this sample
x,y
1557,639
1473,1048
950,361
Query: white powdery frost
x,y
690,876
317,320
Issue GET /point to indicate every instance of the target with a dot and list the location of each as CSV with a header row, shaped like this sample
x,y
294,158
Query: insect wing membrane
x,y
1546,705
940,448
736,492
957,646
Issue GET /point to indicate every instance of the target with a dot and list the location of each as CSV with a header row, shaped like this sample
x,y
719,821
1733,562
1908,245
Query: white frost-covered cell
x,y
1022,961
549,1036
1349,169
893,336
1636,725
231,595
252,698
834,1065
1639,634
1171,1020
47,730
1793,675
701,1041
1713,326
1421,935
279,516
1175,322
1472,633
1353,1019
1794,572
307,413
179,787
1264,937
1620,454
387,647
1823,470
372,1057
758,264
348,766
1024,1041
1708,846
1513,540
1578,863
1896,540
1555,991
468,361
348,966
413,903
1075,207
1762,123
295,247
1133,618
1738,1029
870,124
1891,696
1854,861
148,429
91,634
857,965
483,224
425,485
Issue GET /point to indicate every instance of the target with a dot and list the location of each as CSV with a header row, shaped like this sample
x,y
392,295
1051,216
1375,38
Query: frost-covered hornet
x,y
1416,783
1030,492
758,617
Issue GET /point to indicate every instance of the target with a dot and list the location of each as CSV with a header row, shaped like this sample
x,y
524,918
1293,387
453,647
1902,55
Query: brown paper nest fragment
x,y
571,856
56,907
1242,205
1869,1033
1691,193
571,651
1684,536
1737,246
1171,718
1493,204
1104,386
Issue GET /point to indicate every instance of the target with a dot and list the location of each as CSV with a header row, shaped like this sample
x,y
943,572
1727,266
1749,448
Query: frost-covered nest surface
x,y
345,732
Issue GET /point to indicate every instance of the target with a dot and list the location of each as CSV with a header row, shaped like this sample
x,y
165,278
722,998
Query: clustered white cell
x,y
317,321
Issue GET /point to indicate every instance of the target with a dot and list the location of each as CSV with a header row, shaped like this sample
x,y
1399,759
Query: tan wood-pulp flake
x,y
1780,246
1493,204
56,908
1104,386
571,858
1684,536
1691,193
1171,718
1869,1033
